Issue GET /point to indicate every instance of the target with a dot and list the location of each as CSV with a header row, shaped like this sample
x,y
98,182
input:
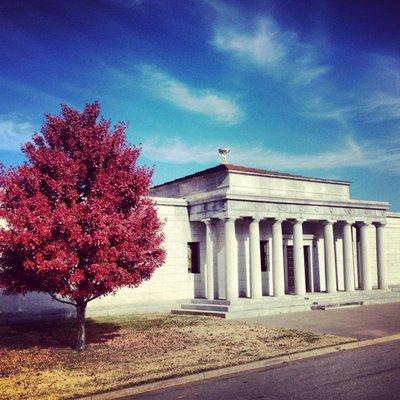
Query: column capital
x,y
329,221
255,219
380,224
348,221
207,221
278,219
365,223
230,219
299,220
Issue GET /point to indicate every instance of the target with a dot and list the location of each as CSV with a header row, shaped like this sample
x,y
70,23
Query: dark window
x,y
193,257
264,255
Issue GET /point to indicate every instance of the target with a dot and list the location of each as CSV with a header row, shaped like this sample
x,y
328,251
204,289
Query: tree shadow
x,y
54,334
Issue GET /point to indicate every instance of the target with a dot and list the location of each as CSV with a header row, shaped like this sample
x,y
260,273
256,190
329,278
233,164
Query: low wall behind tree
x,y
168,285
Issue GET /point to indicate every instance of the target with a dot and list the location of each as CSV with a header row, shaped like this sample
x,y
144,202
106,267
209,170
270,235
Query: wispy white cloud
x,y
31,91
385,155
380,106
368,100
208,102
262,44
387,68
315,105
373,97
276,52
14,133
175,151
378,95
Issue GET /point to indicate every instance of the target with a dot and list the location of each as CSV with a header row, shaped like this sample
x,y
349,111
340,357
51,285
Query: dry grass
x,y
37,360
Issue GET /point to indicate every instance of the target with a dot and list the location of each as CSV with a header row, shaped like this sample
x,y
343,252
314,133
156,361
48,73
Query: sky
x,y
307,87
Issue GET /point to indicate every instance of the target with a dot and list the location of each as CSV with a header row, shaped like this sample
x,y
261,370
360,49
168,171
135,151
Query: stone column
x,y
285,267
348,262
381,256
255,259
231,267
330,265
277,258
355,256
365,261
209,261
298,258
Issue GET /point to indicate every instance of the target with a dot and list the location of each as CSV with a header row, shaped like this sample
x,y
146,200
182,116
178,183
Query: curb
x,y
202,376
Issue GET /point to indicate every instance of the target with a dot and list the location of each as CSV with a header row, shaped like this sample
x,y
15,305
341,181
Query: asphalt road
x,y
364,322
365,373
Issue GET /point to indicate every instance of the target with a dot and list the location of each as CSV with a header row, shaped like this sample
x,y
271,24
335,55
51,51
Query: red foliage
x,y
79,224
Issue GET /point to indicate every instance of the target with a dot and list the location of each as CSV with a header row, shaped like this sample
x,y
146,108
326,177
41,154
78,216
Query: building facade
x,y
234,232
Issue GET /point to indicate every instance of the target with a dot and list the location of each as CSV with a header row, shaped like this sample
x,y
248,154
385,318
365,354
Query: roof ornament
x,y
224,155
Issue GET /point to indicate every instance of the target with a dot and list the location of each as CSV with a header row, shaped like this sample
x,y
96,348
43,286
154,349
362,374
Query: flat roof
x,y
252,171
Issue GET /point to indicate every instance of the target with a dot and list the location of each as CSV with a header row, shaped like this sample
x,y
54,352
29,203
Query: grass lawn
x,y
37,360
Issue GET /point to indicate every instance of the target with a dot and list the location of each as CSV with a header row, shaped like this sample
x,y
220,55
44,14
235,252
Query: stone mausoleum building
x,y
248,241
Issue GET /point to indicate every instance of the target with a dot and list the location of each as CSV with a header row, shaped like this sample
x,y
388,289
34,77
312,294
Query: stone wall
x,y
393,248
170,283
267,186
191,186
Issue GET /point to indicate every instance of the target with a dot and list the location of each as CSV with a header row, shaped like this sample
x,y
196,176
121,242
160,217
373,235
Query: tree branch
x,y
61,301
67,283
94,297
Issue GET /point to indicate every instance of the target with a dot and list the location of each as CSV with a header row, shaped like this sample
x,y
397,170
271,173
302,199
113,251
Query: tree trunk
x,y
80,322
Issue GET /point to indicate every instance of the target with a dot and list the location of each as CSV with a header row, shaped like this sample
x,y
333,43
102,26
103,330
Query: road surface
x,y
366,373
364,322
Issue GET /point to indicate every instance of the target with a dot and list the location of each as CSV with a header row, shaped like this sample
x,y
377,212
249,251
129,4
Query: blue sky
x,y
310,87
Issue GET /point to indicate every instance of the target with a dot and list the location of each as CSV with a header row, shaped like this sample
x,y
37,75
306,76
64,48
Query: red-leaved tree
x,y
78,222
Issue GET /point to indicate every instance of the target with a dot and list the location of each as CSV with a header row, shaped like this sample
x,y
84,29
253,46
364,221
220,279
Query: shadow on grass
x,y
54,334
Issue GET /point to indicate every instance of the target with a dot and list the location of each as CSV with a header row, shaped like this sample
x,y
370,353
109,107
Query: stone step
x,y
333,299
245,307
352,294
331,306
381,301
207,301
205,307
336,299
219,314
239,307
260,312
249,309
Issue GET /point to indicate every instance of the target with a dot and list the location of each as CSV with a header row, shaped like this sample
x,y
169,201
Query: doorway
x,y
290,269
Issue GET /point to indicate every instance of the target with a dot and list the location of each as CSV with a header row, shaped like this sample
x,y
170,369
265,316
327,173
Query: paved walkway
x,y
365,322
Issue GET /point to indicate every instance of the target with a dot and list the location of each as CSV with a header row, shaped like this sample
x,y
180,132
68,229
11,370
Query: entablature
x,y
308,210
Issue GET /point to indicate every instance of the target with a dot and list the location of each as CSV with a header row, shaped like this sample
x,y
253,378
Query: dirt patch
x,y
38,361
